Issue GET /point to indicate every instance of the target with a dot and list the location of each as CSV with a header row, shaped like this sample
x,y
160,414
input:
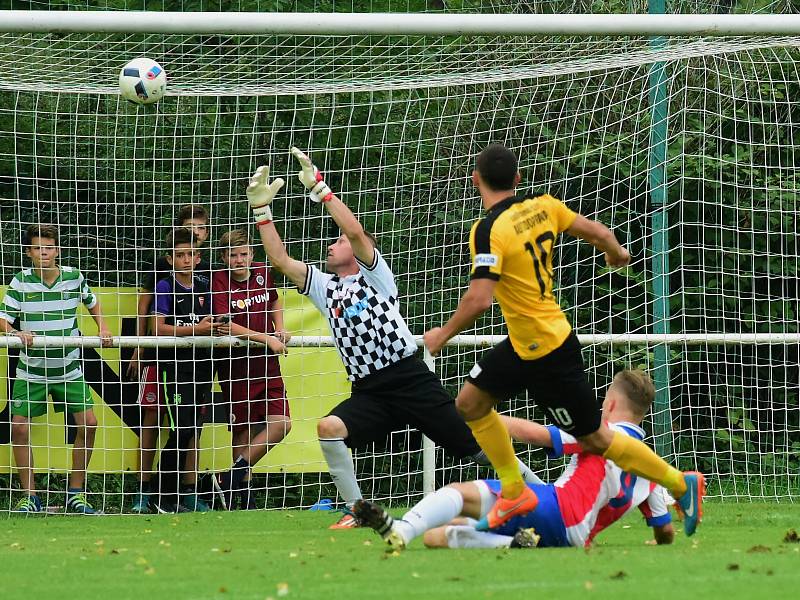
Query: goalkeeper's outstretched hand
x,y
260,193
310,177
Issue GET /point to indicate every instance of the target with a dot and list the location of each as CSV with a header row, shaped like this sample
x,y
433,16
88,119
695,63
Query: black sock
x,y
239,471
146,487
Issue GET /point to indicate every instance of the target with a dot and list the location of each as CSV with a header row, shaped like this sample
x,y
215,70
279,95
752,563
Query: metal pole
x,y
343,24
659,109
428,447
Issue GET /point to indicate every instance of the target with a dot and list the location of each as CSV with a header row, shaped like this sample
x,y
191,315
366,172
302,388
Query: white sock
x,y
342,470
528,475
438,508
465,536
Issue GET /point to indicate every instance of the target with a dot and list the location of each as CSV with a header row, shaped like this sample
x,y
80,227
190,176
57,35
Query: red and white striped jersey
x,y
594,492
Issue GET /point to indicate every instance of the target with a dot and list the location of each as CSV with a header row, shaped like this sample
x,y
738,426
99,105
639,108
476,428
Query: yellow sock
x,y
493,438
635,457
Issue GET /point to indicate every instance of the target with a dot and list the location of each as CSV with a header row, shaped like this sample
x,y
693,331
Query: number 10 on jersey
x,y
540,255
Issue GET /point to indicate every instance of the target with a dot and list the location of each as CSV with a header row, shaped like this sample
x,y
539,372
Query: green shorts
x,y
29,399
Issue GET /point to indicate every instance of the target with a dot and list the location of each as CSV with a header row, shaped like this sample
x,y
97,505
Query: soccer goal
x,y
678,131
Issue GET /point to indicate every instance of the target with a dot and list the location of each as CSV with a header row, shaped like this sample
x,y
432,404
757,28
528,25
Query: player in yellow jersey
x,y
512,261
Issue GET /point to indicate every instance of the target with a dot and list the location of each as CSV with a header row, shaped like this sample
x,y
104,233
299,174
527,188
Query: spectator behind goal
x,y
183,308
45,300
142,367
250,377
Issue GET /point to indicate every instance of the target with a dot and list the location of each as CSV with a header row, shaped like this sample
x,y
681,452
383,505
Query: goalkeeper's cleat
x,y
372,515
691,502
348,521
78,504
141,503
508,508
29,504
526,537
194,503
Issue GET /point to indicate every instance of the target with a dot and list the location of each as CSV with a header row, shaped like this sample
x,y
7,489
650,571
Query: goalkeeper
x,y
391,388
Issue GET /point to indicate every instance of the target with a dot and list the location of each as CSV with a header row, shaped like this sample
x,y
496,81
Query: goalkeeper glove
x,y
260,193
310,177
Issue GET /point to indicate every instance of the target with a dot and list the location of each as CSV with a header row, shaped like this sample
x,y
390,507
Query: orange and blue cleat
x,y
507,508
691,502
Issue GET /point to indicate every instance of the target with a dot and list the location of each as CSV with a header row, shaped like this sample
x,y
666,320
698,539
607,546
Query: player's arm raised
x,y
319,191
260,194
602,238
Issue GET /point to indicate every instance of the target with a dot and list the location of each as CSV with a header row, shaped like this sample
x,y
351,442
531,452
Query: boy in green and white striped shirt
x,y
45,300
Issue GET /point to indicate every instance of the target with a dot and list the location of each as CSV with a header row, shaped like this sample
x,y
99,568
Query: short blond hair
x,y
233,239
637,387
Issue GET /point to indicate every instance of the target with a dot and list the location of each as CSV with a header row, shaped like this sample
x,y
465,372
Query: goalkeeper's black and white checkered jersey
x,y
364,316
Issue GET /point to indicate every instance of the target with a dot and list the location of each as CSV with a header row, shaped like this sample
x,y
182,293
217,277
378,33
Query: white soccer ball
x,y
142,81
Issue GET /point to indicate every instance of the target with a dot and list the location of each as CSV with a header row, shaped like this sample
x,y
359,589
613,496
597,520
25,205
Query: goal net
x,y
703,191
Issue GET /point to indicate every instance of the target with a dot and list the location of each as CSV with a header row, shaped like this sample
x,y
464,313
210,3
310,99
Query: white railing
x,y
481,341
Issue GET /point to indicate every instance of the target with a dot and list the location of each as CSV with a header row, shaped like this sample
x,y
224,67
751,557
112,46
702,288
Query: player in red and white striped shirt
x,y
590,495
250,377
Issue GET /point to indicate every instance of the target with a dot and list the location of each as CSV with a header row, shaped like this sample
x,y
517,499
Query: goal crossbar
x,y
341,24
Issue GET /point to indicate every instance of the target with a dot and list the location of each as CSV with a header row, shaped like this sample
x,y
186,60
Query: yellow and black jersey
x,y
513,244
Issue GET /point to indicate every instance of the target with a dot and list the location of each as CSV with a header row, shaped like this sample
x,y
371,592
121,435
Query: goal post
x,y
394,109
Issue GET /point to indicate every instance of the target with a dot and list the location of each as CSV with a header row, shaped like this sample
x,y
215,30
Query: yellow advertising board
x,y
315,382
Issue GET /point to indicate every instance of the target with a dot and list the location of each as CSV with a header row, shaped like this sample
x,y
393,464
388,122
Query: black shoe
x,y
247,500
372,515
525,538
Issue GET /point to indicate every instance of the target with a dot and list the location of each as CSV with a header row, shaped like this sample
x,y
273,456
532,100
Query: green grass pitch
x,y
739,552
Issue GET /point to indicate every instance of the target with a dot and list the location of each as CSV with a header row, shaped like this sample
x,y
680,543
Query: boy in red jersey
x,y
250,377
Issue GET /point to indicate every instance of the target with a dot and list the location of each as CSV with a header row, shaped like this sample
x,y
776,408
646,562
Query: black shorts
x,y
556,381
405,393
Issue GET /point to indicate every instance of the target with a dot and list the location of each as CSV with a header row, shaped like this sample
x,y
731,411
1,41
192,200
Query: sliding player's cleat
x,y
372,515
505,509
525,538
691,502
